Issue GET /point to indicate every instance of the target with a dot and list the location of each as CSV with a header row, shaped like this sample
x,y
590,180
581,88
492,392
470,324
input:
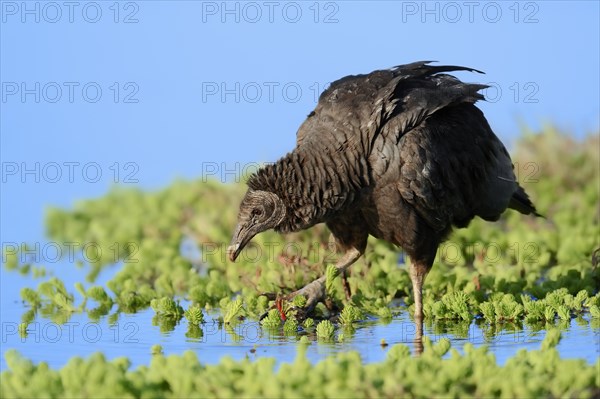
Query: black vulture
x,y
401,154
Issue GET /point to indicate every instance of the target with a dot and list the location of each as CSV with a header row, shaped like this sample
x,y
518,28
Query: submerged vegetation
x,y
170,246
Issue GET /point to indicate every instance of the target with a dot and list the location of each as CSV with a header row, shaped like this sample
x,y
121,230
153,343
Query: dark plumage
x,y
401,154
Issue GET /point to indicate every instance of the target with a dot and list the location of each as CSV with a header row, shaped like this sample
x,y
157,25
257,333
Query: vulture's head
x,y
259,211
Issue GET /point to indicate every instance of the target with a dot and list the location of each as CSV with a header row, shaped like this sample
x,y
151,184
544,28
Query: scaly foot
x,y
314,293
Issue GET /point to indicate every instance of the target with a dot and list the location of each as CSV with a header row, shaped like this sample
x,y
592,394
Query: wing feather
x,y
391,101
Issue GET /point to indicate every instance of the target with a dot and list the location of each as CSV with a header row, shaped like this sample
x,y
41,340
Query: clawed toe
x,y
314,293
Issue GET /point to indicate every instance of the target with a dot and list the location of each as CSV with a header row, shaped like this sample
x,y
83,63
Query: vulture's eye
x,y
257,212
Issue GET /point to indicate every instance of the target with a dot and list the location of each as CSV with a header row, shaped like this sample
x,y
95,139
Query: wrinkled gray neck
x,y
312,184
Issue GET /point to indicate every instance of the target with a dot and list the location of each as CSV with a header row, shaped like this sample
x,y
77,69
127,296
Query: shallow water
x,y
133,335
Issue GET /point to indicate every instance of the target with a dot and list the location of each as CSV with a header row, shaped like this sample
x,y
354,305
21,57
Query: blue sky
x,y
146,91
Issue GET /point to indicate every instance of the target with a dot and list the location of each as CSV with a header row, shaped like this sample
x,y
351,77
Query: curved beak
x,y
240,238
233,251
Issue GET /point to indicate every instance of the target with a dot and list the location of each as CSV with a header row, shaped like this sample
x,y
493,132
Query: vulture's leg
x,y
350,233
418,271
418,340
315,291
346,286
